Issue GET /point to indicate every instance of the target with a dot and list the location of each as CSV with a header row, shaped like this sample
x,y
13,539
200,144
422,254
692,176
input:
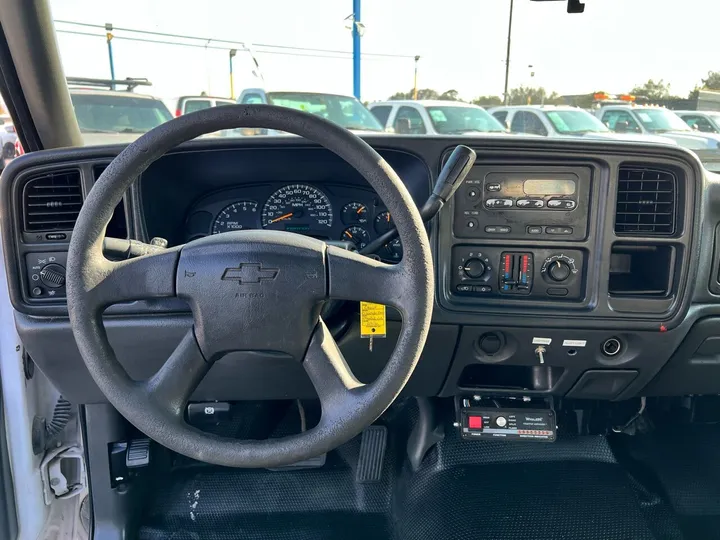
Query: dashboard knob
x,y
559,271
474,268
53,275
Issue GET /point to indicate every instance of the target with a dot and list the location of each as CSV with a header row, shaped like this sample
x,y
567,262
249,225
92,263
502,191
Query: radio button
x,y
530,203
492,187
560,231
534,229
561,204
557,292
464,288
471,223
497,229
498,203
473,193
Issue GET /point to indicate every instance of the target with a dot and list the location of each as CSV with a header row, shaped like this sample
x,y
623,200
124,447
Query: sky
x,y
613,46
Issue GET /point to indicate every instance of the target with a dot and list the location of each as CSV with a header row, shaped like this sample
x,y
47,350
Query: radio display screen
x,y
548,187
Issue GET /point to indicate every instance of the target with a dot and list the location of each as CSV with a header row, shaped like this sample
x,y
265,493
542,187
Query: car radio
x,y
524,202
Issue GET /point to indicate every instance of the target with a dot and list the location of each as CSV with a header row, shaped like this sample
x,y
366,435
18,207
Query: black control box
x,y
46,275
532,425
523,202
533,273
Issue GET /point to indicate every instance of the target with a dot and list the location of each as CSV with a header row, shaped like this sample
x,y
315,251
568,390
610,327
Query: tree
x,y
653,90
527,95
423,93
488,101
713,81
450,95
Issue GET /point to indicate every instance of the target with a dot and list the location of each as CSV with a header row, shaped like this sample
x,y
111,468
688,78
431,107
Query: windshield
x,y
575,122
316,56
661,120
449,120
343,110
109,113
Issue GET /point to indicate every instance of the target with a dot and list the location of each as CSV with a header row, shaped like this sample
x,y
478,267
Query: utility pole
x,y
415,87
356,28
507,56
233,52
109,36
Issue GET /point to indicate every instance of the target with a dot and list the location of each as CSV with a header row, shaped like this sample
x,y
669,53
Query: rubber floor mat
x,y
686,465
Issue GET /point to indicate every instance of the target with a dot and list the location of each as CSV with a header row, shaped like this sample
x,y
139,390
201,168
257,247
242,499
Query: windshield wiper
x,y
91,130
132,130
362,128
466,130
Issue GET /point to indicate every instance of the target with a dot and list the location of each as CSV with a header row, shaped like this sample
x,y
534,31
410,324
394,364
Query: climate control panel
x,y
534,273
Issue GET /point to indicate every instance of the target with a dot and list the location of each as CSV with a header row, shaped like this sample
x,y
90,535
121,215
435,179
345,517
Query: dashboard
x,y
331,212
602,254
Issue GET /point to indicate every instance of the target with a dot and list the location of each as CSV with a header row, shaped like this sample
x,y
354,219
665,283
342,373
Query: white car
x,y
703,121
345,111
560,121
434,117
187,104
651,120
115,117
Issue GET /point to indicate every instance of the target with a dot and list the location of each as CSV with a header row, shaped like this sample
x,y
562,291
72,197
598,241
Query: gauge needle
x,y
361,210
388,217
348,234
285,216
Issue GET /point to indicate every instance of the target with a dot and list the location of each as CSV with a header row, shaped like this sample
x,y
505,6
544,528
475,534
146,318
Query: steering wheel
x,y
239,286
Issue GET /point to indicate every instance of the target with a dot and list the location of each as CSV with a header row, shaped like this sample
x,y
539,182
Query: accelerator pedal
x,y
372,454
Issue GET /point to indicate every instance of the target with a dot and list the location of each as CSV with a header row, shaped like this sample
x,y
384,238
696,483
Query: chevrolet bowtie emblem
x,y
250,273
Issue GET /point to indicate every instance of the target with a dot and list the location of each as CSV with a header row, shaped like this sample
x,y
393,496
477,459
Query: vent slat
x,y
645,202
52,201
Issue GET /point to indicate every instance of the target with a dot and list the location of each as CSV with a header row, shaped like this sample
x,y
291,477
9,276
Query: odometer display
x,y
297,207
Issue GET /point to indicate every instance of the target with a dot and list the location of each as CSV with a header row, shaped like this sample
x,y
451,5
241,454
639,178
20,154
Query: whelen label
x,y
542,341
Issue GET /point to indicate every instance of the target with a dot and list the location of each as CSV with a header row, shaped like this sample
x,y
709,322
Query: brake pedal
x,y
372,454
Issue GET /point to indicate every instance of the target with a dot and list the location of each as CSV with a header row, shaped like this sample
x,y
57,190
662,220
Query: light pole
x,y
233,52
415,87
356,34
507,56
109,36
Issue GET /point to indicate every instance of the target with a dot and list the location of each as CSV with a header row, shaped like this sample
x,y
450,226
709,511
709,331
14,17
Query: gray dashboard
x,y
563,243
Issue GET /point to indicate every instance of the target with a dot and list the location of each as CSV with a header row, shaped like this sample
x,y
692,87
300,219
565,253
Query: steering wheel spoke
x,y
356,277
149,276
174,383
328,371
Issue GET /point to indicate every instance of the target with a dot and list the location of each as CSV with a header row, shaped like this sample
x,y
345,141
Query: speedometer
x,y
297,208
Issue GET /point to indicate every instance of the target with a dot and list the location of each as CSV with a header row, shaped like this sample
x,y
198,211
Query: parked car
x,y
108,116
187,104
434,117
559,121
346,111
704,121
652,120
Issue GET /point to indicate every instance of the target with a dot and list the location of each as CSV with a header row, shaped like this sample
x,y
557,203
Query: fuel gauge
x,y
392,251
357,235
383,222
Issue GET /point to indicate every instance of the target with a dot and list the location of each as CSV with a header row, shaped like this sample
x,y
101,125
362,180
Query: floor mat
x,y
686,466
573,489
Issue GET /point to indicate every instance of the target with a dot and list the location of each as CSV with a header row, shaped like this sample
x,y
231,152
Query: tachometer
x,y
297,208
238,216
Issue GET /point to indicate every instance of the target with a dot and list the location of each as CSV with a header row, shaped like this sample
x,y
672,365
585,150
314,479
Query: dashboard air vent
x,y
645,202
51,202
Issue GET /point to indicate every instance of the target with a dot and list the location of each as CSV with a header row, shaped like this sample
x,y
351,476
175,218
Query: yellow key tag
x,y
372,320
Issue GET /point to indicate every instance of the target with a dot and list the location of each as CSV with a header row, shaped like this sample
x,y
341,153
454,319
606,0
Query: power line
x,y
199,46
241,43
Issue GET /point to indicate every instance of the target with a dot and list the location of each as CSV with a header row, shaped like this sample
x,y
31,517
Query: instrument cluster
x,y
330,212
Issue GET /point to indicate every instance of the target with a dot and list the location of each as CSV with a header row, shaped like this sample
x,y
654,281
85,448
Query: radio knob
x,y
559,271
474,268
501,421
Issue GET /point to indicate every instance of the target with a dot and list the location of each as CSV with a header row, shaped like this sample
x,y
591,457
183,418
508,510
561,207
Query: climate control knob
x,y
474,268
559,270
